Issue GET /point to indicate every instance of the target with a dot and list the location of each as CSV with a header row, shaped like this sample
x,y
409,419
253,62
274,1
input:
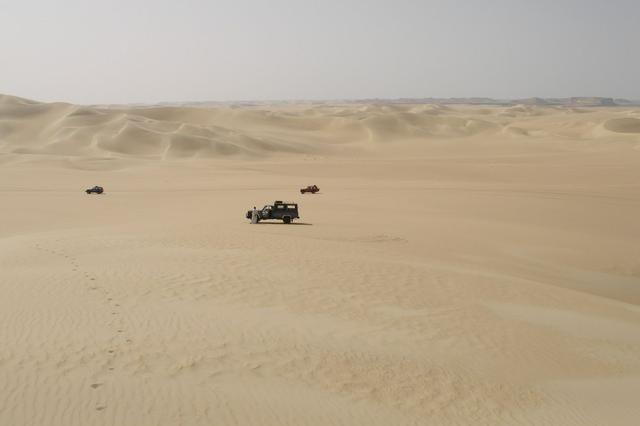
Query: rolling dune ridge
x,y
461,265
29,127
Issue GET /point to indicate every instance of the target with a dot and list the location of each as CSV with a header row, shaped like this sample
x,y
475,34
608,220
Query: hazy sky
x,y
122,51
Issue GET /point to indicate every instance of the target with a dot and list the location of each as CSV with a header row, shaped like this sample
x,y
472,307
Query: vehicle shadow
x,y
285,224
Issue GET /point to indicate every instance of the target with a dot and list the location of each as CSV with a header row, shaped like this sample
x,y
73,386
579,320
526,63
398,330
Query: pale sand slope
x,y
460,266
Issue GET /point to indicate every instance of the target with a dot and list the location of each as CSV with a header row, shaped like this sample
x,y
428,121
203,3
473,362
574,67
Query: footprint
x,y
101,407
96,385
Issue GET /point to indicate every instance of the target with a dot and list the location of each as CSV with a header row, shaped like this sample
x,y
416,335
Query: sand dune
x,y
623,125
461,265
29,127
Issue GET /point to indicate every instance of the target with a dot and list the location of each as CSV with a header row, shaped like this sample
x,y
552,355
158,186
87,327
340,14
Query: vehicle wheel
x,y
88,192
286,219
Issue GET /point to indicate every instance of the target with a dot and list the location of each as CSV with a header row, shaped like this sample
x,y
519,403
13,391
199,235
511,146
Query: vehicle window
x,y
280,206
291,207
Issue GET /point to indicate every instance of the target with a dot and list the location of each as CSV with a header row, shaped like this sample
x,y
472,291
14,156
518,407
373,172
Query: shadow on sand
x,y
285,224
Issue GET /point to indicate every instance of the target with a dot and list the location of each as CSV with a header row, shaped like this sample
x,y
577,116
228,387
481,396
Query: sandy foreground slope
x,y
460,266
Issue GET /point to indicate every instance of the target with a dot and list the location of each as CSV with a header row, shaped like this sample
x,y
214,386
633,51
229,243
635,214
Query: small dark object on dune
x,y
311,188
95,190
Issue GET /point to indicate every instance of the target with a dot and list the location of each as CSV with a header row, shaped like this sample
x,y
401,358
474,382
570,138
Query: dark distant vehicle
x,y
280,210
95,190
311,188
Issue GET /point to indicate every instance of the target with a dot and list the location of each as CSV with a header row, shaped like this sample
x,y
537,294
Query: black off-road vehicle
x,y
280,210
311,188
95,190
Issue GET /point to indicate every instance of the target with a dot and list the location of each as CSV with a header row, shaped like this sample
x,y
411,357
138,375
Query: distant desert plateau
x,y
461,265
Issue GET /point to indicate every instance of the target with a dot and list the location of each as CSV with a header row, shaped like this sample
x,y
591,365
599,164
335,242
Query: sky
x,y
128,51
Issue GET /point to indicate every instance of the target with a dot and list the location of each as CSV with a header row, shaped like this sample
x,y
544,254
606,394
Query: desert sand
x,y
461,265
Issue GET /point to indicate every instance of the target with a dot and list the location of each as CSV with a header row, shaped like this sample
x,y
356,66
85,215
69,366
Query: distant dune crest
x,y
586,101
623,125
258,131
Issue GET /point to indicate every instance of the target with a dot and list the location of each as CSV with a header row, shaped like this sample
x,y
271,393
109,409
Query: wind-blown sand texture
x,y
461,265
